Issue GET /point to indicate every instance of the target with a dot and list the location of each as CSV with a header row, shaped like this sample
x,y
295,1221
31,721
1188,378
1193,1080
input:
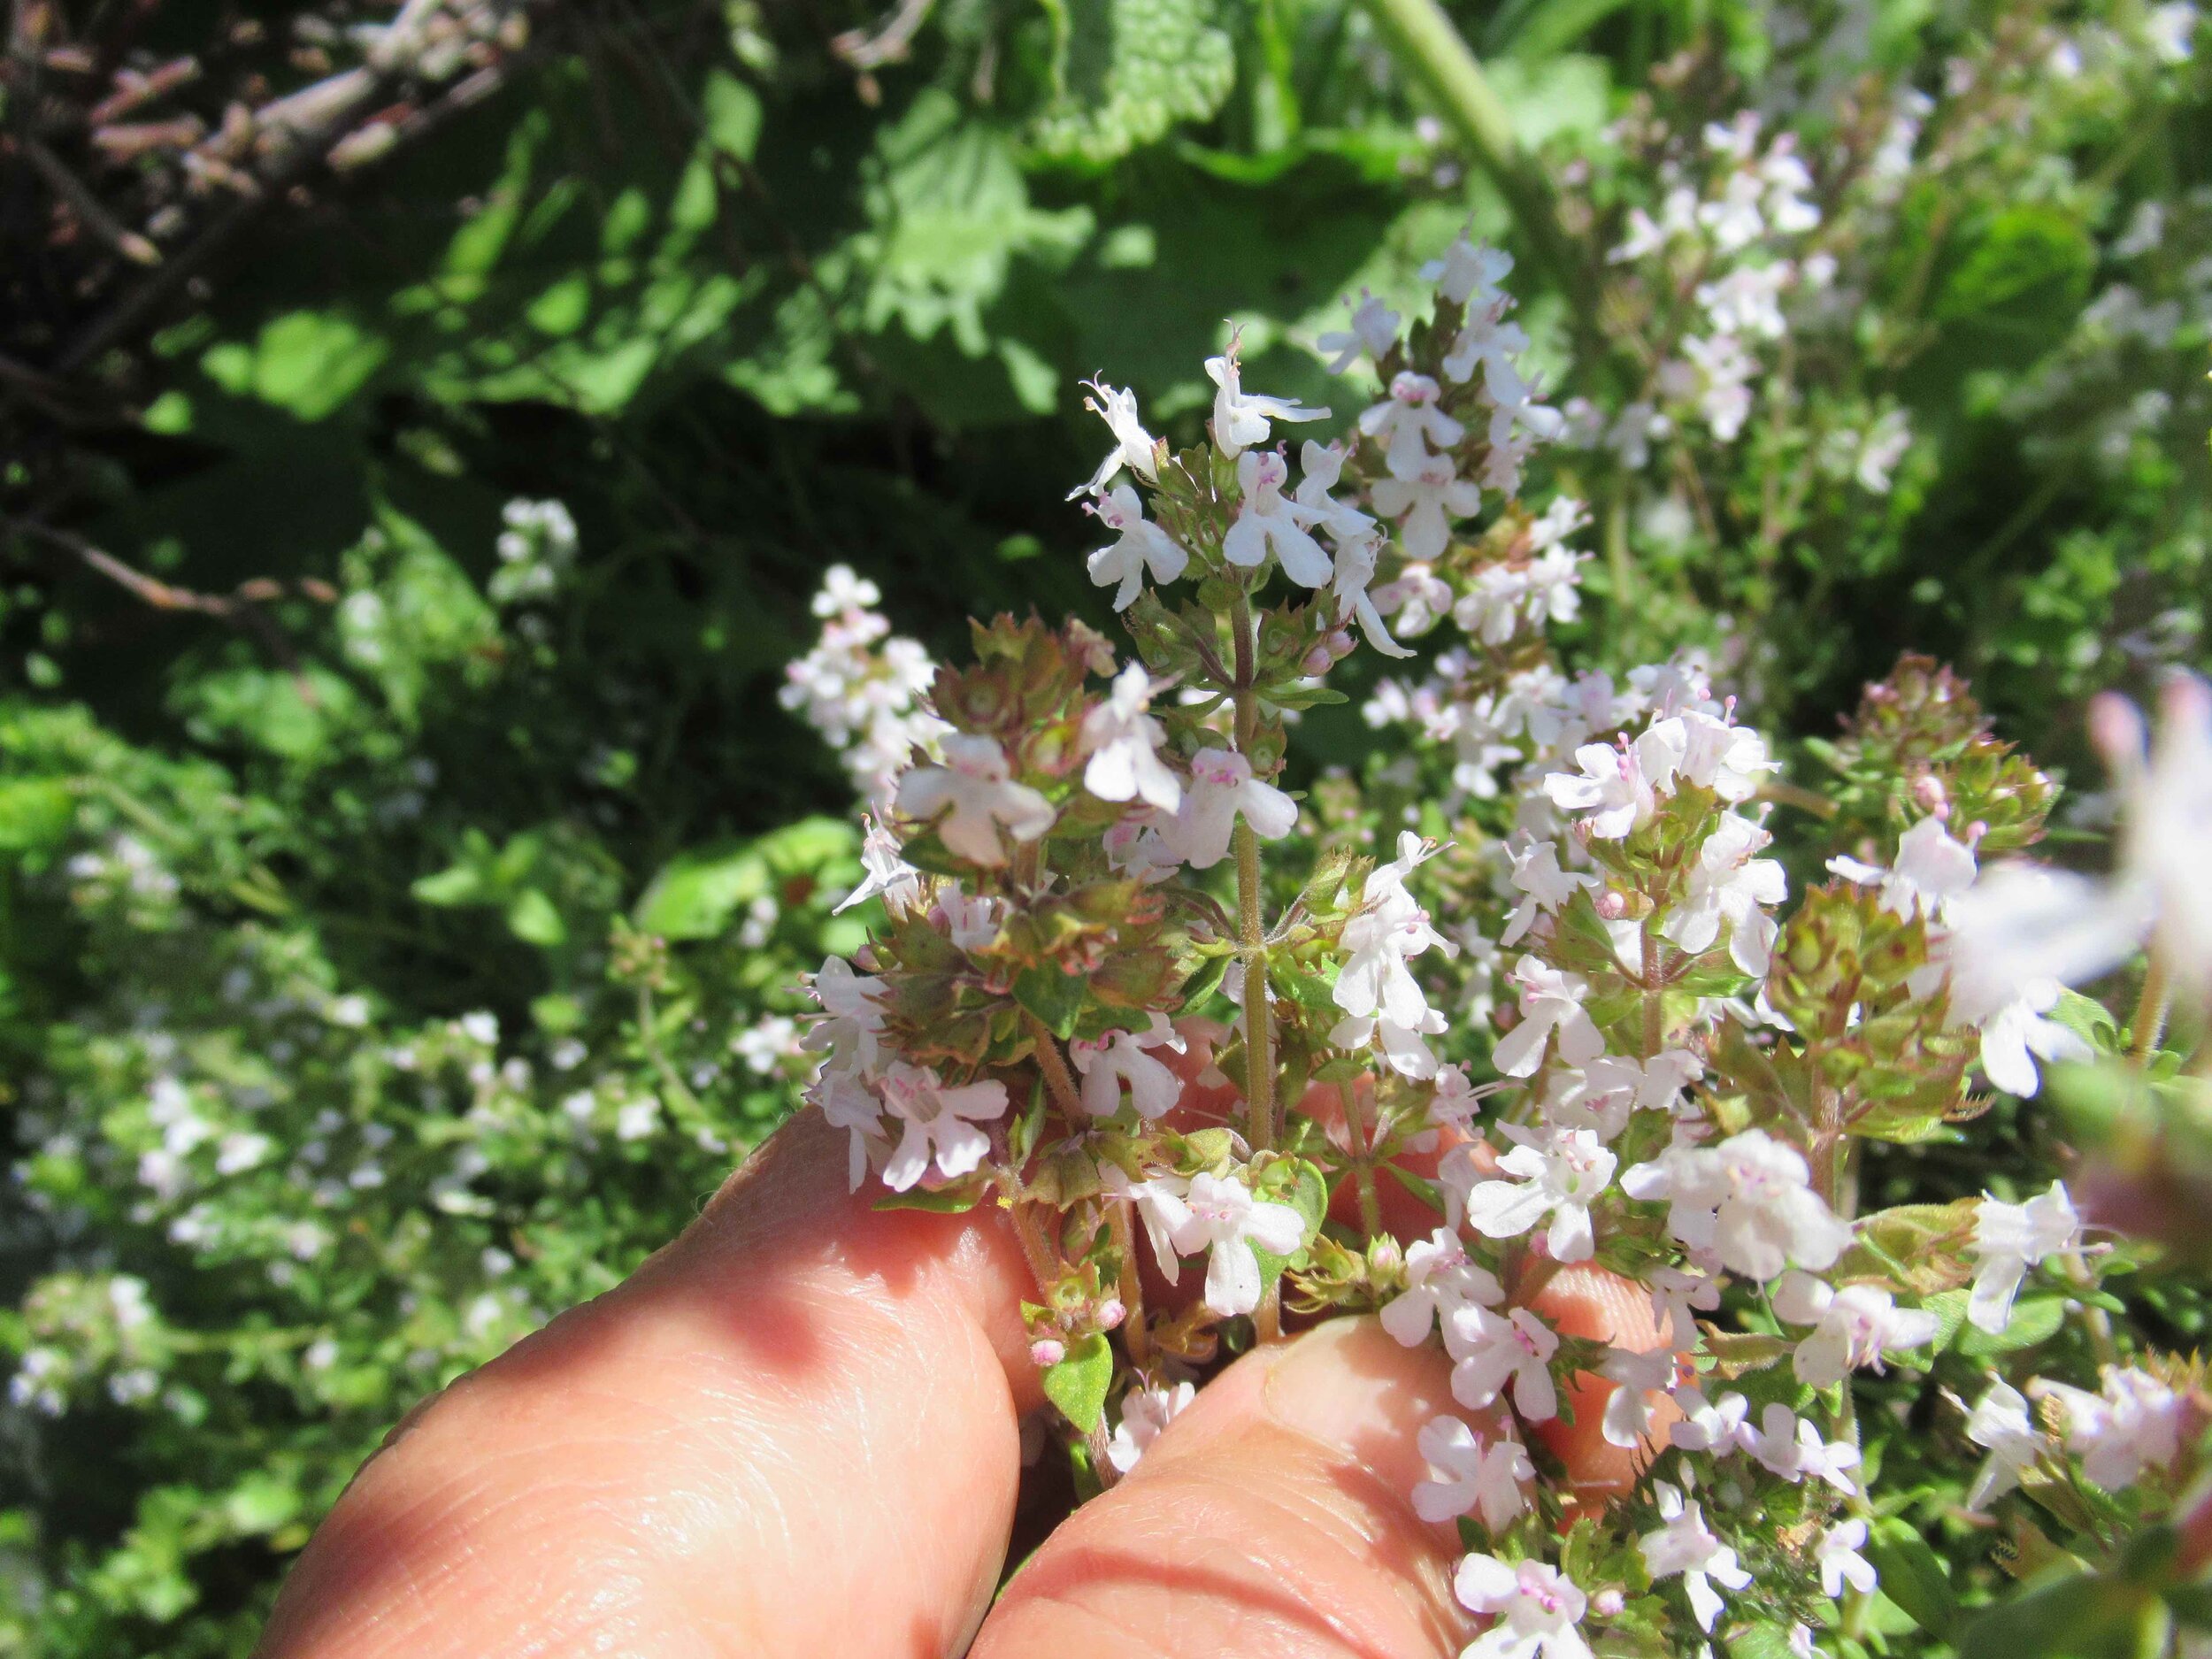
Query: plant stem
x,y
1422,39
1259,1035
1044,1263
1058,1080
2149,1024
1654,1010
1134,1332
1363,1160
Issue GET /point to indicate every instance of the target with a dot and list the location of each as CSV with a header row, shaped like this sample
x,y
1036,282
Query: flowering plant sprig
x,y
1126,988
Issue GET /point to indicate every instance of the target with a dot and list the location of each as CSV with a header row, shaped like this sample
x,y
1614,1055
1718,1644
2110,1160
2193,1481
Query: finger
x,y
1589,1301
1272,1517
795,1431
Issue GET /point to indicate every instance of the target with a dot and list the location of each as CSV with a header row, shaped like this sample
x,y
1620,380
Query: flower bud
x,y
1928,793
1608,1604
1384,1259
1111,1313
1611,904
1046,1351
1318,661
1341,644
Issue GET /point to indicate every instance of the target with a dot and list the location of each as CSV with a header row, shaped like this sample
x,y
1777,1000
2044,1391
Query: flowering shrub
x,y
1123,988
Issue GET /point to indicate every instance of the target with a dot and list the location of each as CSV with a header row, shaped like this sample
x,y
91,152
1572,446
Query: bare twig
x,y
87,207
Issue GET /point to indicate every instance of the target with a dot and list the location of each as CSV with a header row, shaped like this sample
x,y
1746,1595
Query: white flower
x,y
1730,882
1400,1045
888,873
1159,1201
1717,754
1718,1427
971,920
1599,1095
1321,464
1733,216
1837,1553
1677,1293
1267,523
1543,884
1222,787
1716,376
1135,448
1355,570
939,1123
1617,784
1440,1281
1144,1413
2001,1423
1491,1351
1240,418
1221,1217
1549,1000
973,782
1408,423
1140,545
1748,300
1469,272
1372,332
2169,28
2009,1239
1639,1376
1534,1609
1119,1057
846,1102
1852,1327
1388,930
1424,503
1792,1448
1748,1200
1560,1174
2018,1034
1123,741
1930,873
855,1017
1687,1546
1471,1477
2134,1424
1492,344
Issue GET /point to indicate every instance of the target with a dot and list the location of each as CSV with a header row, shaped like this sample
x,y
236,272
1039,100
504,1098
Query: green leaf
x,y
2077,1615
1125,71
1079,1383
698,892
35,813
534,920
1053,997
948,1201
1914,1576
460,885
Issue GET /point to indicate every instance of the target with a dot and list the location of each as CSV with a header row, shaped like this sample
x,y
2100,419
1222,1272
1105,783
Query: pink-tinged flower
x,y
849,1034
2135,1424
1135,448
938,1124
1267,524
1684,1545
1423,504
1601,1094
1493,1351
2009,1239
1140,545
846,1102
1467,273
1550,1001
2002,1425
1748,1200
1469,1476
1641,1378
1144,1413
1534,1609
1720,1427
1790,1447
1374,330
1240,418
1158,1201
1321,464
1559,1174
1852,1327
1123,741
1618,783
1543,884
1837,1554
976,794
1222,787
1407,424
1388,930
1355,570
1676,1294
888,873
1220,1217
1731,883
1120,1056
1931,873
1440,1281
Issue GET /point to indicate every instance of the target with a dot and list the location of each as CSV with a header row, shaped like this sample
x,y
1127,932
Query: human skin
x,y
797,1431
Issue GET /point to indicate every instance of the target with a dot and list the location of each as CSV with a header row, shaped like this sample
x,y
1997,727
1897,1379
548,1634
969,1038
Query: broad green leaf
x,y
1914,1576
1079,1383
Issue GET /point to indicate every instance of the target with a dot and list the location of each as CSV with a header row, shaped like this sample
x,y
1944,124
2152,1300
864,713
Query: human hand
x,y
797,1430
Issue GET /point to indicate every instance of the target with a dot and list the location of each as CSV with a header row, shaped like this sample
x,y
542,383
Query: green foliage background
x,y
745,322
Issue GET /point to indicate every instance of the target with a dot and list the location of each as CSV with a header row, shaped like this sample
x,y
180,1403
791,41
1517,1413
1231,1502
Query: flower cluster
x,y
1066,1010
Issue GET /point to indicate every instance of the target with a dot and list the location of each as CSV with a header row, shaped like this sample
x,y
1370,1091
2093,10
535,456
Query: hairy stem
x,y
1363,1160
1655,1007
2149,1024
1058,1080
1134,1333
1259,1035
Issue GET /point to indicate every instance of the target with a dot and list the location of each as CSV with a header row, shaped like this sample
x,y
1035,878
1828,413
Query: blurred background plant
x,y
427,429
